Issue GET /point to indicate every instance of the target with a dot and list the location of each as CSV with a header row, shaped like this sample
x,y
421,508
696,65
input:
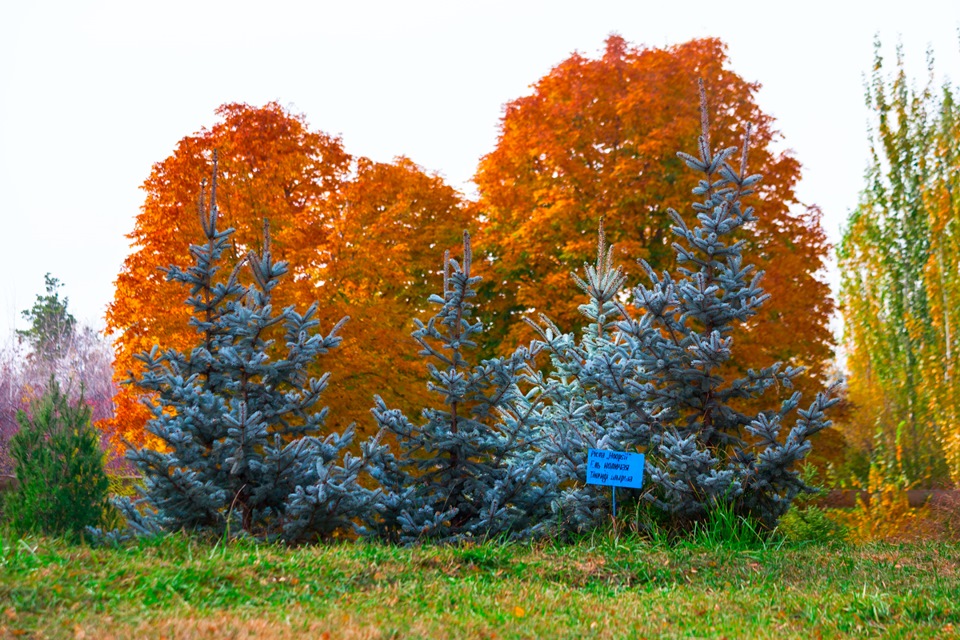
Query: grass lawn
x,y
176,587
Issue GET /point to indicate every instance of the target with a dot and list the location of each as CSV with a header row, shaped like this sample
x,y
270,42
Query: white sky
x,y
93,93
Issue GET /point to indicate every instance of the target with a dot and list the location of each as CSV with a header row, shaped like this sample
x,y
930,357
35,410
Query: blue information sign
x,y
615,468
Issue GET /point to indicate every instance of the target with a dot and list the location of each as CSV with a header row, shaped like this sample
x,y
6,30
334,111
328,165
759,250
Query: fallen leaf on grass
x,y
519,612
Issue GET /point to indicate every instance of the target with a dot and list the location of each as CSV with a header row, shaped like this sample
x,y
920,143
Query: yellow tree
x,y
941,199
900,294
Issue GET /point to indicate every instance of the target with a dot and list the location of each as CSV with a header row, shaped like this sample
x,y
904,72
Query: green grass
x,y
602,587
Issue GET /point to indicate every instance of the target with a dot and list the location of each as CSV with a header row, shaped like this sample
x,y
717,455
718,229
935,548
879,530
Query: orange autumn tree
x,y
596,139
323,208
271,167
390,223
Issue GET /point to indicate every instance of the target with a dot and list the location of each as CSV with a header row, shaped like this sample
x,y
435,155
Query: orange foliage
x,y
598,138
360,237
380,265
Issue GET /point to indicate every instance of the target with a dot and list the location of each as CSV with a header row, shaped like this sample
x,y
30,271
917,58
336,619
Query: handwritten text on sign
x,y
615,468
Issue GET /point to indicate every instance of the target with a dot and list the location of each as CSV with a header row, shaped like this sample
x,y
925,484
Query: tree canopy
x,y
328,214
596,139
52,326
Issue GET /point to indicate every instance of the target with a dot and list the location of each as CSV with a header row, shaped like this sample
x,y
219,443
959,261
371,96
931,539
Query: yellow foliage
x,y
884,512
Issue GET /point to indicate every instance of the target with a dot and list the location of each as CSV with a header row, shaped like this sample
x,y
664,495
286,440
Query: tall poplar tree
x,y
900,293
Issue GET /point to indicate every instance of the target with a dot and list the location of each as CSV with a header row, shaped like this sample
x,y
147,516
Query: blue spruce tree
x,y
473,468
238,415
702,449
581,412
659,382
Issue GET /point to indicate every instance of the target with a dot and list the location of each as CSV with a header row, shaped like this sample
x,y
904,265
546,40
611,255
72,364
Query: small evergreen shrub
x,y
805,521
810,523
61,486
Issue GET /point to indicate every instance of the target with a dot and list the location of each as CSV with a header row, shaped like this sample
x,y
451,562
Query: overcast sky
x,y
93,93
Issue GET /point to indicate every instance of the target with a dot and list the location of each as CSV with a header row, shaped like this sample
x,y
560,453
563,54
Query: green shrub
x,y
809,523
61,486
805,521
